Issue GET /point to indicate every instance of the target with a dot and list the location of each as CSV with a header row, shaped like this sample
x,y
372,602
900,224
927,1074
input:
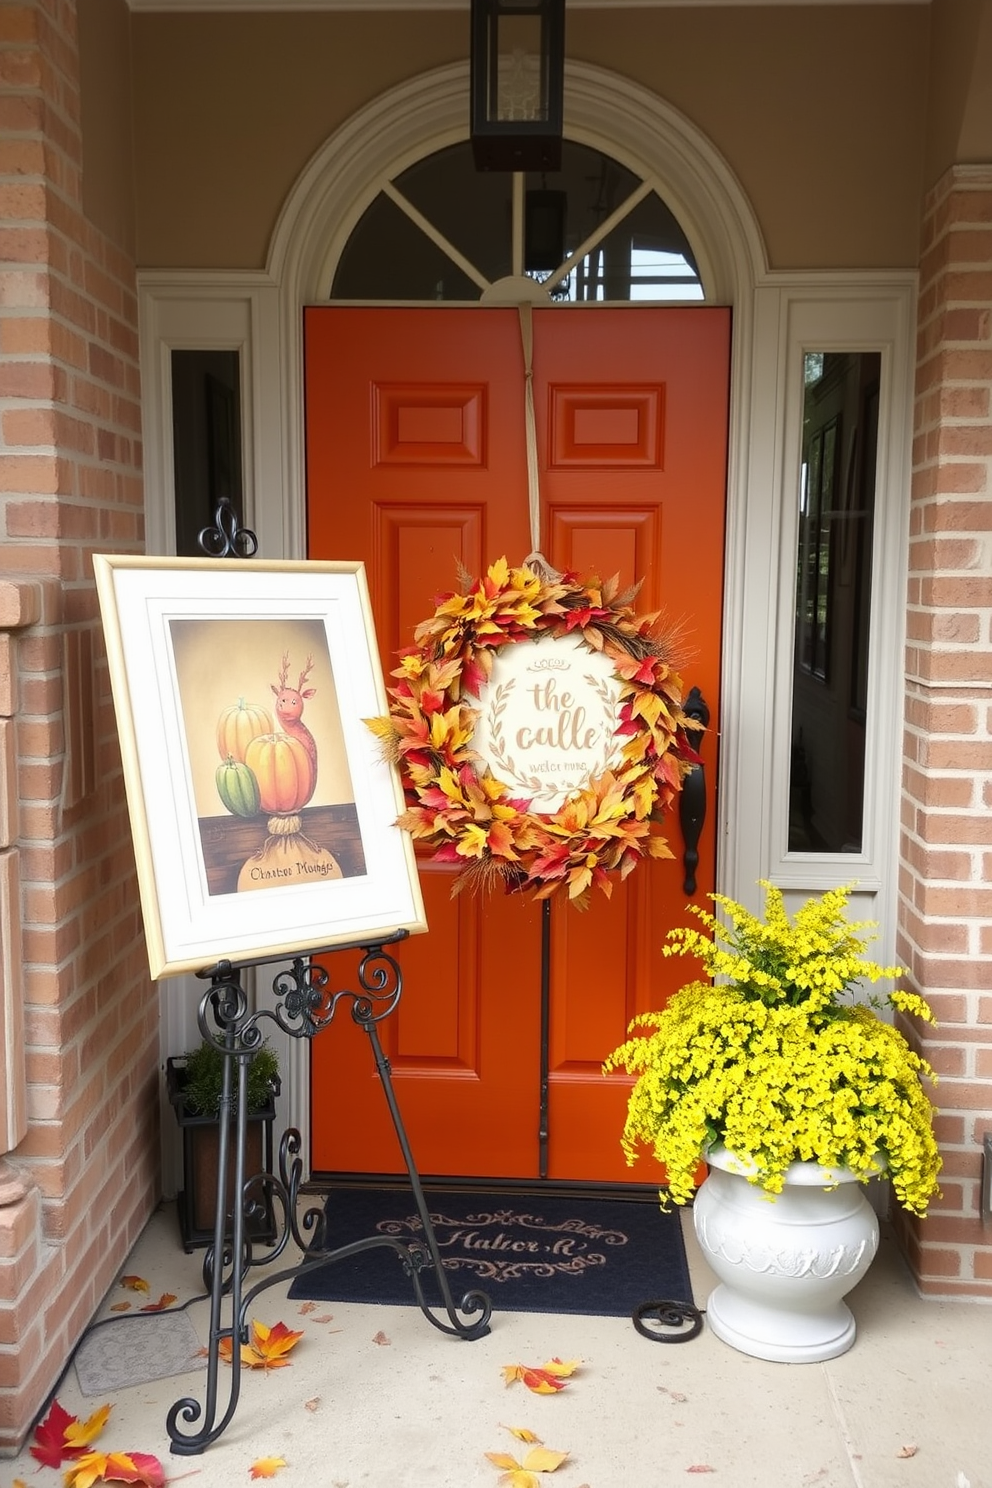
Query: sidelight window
x,y
833,601
206,440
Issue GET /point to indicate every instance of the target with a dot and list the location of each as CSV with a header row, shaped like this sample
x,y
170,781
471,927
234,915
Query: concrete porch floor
x,y
377,1398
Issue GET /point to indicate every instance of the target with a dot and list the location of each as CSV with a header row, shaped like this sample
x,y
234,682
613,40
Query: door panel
x,y
634,485
463,1041
416,462
403,473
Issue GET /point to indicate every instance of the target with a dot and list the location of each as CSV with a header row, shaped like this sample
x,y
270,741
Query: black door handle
x,y
692,799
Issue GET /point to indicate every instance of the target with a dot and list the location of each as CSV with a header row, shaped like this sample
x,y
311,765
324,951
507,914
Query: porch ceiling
x,y
464,4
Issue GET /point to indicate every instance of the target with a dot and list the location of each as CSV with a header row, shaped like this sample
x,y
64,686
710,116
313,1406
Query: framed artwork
x,y
262,811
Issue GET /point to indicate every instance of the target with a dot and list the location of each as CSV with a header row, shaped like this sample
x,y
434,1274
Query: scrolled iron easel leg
x,y
188,1409
471,1302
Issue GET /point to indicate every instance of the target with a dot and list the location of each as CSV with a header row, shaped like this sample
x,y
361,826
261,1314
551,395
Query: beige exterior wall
x,y
959,122
819,110
105,119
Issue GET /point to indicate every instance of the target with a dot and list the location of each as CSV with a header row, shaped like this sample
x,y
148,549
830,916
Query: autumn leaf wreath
x,y
455,803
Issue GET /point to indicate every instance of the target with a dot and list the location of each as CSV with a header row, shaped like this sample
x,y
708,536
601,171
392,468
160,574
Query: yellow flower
x,y
771,1063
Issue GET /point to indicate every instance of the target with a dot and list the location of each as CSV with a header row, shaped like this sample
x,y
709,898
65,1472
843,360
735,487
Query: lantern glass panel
x,y
518,85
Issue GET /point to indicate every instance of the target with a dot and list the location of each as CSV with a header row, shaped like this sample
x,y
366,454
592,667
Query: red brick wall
x,y
86,1174
946,845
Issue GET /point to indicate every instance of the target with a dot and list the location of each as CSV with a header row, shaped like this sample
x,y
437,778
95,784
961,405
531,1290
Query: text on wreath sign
x,y
567,730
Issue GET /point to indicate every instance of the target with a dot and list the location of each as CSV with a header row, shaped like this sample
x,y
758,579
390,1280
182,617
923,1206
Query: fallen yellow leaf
x,y
81,1433
522,1474
522,1434
543,1460
135,1283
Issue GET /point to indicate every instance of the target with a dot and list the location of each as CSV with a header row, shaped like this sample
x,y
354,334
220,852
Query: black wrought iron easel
x,y
304,1006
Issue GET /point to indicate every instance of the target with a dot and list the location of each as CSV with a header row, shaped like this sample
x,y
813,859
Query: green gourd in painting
x,y
238,788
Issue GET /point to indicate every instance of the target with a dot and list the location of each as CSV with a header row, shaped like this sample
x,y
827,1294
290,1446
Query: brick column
x,y
946,844
83,1178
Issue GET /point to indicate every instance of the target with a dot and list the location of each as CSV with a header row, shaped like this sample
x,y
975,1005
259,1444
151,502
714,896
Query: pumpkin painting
x,y
283,769
237,726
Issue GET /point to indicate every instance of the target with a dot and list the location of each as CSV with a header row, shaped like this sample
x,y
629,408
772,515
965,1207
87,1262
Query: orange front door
x,y
416,463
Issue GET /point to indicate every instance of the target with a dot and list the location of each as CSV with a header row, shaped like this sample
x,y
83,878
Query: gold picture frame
x,y
262,812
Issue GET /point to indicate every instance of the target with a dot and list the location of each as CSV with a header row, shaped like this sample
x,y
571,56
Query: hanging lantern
x,y
517,84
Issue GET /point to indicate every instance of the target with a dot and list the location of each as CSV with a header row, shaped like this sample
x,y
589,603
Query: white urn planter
x,y
786,1261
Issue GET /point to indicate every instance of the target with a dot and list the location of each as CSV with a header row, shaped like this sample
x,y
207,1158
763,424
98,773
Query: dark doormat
x,y
531,1253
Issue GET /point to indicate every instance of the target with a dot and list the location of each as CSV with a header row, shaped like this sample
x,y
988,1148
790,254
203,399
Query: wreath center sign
x,y
548,718
539,729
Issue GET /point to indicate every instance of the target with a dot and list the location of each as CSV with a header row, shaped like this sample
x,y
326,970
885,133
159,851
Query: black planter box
x,y
197,1202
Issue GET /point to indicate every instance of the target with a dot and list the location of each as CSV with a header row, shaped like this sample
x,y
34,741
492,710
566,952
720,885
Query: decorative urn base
x,y
785,1262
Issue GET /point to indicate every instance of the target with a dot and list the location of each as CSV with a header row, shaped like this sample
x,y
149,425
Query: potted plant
x,y
795,1094
194,1081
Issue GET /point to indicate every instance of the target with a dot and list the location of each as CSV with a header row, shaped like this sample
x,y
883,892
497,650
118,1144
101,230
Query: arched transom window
x,y
441,230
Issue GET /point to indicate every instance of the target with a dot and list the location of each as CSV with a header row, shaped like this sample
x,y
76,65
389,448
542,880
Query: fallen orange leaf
x,y
311,1405
544,1380
121,1307
135,1283
267,1467
380,1337
307,1307
908,1451
535,1379
166,1300
266,1347
115,1467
